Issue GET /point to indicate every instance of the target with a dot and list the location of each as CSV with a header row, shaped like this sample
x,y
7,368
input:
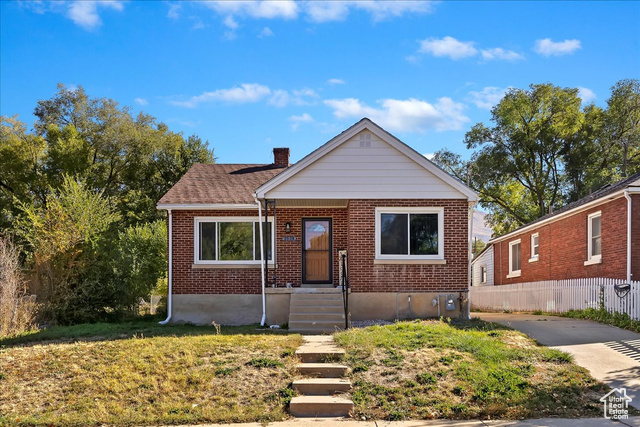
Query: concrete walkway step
x,y
322,386
313,354
322,370
310,317
320,406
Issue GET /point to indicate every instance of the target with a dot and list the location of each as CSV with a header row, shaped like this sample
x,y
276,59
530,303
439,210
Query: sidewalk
x,y
547,422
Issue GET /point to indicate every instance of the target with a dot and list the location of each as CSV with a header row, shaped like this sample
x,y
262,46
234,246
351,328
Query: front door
x,y
316,251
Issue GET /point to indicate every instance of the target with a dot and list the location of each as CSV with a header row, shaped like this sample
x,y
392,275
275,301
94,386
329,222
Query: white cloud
x,y
410,115
381,10
488,97
141,101
282,98
547,47
174,11
85,13
586,94
284,9
429,155
500,53
448,46
266,32
327,11
297,120
243,94
230,23
336,81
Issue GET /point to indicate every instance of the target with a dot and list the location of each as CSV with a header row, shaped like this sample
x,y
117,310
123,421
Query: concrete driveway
x,y
611,354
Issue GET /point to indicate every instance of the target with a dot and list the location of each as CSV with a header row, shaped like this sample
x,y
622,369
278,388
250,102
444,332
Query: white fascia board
x,y
211,206
608,198
471,195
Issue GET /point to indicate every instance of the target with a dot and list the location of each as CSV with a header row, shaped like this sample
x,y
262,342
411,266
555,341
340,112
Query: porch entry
x,y
316,251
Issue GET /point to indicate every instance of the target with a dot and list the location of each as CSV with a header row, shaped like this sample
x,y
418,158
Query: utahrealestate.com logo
x,y
616,404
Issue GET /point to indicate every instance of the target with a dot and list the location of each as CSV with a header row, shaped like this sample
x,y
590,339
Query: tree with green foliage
x,y
622,124
132,160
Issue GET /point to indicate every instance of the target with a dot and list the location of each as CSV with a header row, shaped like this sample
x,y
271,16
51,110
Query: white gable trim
x,y
384,136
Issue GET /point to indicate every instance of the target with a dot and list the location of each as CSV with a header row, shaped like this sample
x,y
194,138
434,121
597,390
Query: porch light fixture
x,y
287,227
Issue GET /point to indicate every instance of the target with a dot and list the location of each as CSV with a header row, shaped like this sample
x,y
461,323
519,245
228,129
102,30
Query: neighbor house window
x,y
594,242
483,274
410,233
535,247
231,240
514,258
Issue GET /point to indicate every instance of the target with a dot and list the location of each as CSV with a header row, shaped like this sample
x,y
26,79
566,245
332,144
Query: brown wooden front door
x,y
316,251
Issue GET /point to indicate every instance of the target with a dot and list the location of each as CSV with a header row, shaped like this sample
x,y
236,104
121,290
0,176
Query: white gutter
x,y
264,300
626,195
170,276
206,206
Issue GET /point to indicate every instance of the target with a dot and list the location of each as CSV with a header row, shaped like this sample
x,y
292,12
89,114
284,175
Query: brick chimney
x,y
281,157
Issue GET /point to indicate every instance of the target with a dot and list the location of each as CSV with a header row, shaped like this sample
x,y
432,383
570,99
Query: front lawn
x,y
435,369
141,373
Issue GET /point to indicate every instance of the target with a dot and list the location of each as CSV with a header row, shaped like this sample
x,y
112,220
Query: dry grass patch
x,y
434,369
191,377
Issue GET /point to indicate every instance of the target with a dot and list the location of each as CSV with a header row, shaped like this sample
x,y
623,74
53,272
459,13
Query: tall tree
x,y
622,124
521,155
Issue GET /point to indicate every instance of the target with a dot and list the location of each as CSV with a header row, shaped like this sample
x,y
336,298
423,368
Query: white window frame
x,y
483,274
593,259
415,210
218,219
534,257
514,273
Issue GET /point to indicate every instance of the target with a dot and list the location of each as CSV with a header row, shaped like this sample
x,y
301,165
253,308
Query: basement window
x,y
231,240
409,234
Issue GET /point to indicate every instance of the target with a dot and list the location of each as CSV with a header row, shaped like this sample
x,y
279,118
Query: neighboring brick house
x,y
587,238
403,222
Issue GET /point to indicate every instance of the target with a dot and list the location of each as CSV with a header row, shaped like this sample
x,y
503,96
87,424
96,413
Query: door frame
x,y
303,250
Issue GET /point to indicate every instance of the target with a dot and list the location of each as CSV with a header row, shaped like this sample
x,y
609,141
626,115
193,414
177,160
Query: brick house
x,y
364,202
597,236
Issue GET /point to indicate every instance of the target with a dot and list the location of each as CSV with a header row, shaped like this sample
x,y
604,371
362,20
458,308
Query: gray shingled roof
x,y
598,194
219,183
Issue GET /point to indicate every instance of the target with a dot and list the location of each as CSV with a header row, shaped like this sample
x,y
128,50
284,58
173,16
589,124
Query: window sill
x,y
534,259
514,274
593,261
410,261
226,266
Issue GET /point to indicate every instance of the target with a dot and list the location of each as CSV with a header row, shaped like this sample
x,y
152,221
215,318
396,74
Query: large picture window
x,y
409,233
231,240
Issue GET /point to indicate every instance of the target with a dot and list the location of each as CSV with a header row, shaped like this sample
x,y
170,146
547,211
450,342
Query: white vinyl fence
x,y
558,296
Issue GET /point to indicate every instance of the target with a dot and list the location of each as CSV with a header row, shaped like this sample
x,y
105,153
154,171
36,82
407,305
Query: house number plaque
x,y
289,238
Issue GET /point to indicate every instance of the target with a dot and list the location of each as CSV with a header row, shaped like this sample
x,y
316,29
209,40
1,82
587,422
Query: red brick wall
x,y
563,248
289,253
364,276
635,237
187,280
353,228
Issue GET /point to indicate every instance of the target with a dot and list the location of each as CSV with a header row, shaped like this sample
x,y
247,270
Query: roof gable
x,y
365,162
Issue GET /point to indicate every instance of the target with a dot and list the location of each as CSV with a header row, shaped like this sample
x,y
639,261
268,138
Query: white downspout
x,y
626,195
473,205
264,300
170,274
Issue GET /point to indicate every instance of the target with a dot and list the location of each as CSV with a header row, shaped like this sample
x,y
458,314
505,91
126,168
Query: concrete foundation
x,y
243,309
403,305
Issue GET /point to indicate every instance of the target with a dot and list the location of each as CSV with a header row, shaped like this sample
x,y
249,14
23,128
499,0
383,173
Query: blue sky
x,y
250,76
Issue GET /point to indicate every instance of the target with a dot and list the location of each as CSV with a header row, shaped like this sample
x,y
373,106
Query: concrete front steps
x,y
316,313
317,393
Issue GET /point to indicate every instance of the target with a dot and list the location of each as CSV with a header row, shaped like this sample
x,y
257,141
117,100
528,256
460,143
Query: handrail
x,y
344,283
